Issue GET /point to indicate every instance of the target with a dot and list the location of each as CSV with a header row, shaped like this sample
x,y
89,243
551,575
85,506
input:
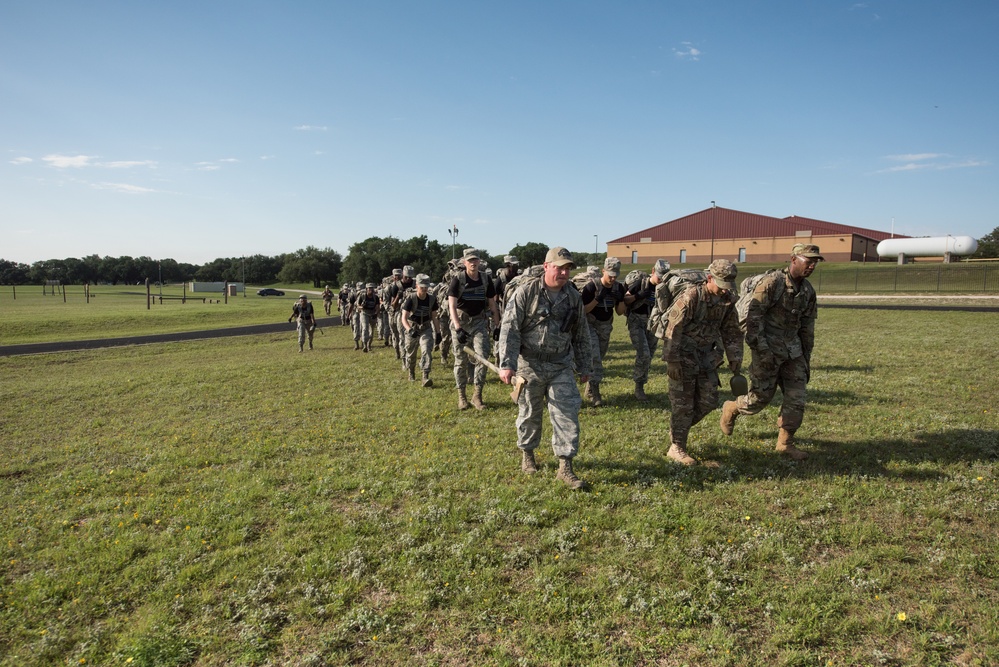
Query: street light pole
x,y
159,269
595,244
242,262
713,207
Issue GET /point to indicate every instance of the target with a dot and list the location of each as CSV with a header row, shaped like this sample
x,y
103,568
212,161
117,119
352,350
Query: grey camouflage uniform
x,y
533,345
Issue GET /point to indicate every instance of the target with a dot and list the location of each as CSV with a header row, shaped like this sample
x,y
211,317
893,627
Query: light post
x,y
713,230
242,261
595,244
454,235
159,269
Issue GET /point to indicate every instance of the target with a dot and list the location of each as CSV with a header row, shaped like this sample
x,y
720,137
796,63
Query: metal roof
x,y
726,223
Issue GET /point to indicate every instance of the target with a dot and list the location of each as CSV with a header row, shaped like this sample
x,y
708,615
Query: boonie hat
x,y
807,250
470,253
724,273
612,265
559,256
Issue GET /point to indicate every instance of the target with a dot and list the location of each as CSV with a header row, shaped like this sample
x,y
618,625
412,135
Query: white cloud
x,y
929,162
127,164
267,157
123,187
229,159
311,128
21,160
915,157
687,51
67,161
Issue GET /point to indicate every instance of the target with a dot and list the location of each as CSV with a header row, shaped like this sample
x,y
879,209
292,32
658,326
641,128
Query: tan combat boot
x,y
527,462
785,445
477,398
595,398
462,400
427,382
679,454
640,392
730,410
566,474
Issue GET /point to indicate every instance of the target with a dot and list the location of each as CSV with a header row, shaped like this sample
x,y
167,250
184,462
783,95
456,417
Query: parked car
x,y
269,291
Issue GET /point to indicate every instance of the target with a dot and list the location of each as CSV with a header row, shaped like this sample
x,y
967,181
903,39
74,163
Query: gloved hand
x,y
735,367
674,370
496,333
462,336
437,338
291,318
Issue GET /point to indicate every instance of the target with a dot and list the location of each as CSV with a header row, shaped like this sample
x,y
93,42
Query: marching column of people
x,y
553,330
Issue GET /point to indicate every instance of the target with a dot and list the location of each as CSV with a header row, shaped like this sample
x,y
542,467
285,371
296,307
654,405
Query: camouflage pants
x,y
305,328
367,325
421,339
558,384
384,328
791,375
355,323
395,324
692,398
480,341
445,339
644,342
600,333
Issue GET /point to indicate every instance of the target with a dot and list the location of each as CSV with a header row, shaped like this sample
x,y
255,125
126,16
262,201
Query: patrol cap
x,y
408,271
396,272
302,296
559,256
470,253
423,280
661,267
724,273
612,265
510,259
807,250
371,286
359,285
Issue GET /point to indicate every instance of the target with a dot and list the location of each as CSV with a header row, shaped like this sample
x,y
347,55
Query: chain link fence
x,y
961,278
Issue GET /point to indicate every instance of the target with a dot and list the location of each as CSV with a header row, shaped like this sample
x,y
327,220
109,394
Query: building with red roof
x,y
724,233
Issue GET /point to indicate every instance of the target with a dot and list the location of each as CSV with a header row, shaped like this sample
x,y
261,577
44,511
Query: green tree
x,y
374,258
988,245
530,254
12,273
319,267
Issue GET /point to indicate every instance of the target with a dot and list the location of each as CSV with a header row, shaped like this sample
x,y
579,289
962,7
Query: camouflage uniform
x,y
367,307
343,305
643,340
780,330
424,326
533,344
474,306
304,314
601,321
697,321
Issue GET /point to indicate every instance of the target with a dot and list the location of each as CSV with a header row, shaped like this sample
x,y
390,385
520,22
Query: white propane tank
x,y
930,246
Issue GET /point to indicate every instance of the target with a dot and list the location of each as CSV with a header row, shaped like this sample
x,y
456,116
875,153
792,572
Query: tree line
x,y
367,261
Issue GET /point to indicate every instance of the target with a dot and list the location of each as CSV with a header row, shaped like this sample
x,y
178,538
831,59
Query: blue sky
x,y
203,129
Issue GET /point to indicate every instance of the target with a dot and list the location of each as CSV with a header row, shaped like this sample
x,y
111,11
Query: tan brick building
x,y
722,233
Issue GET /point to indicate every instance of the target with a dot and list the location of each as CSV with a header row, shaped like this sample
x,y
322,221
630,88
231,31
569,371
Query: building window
x,y
742,255
683,256
634,257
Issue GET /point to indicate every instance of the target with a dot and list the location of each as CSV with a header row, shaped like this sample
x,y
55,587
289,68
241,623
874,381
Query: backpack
x,y
640,278
746,289
583,278
671,286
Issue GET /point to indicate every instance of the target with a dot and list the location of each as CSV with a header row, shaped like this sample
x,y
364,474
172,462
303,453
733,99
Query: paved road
x,y
71,345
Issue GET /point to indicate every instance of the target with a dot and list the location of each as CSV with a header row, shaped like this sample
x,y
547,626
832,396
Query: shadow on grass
x,y
890,458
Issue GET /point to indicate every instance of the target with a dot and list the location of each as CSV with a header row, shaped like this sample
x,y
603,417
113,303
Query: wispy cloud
x,y
929,162
311,128
123,187
21,160
68,161
127,164
687,51
207,166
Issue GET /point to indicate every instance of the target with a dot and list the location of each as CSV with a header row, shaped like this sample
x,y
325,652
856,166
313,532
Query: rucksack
x,y
583,278
641,278
671,286
746,289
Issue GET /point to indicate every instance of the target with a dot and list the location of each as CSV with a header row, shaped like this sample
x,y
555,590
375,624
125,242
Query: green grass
x,y
236,502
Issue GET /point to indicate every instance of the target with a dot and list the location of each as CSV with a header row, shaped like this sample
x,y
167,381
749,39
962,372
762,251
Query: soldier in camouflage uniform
x,y
471,304
368,305
440,291
701,316
343,304
304,314
602,299
543,336
642,339
423,328
780,330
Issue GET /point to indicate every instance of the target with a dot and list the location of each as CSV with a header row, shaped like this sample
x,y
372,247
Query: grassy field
x,y
236,502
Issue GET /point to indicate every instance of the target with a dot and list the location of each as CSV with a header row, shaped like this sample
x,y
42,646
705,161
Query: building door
x,y
683,256
634,257
742,255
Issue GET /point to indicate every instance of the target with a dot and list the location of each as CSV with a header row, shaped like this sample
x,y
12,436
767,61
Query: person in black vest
x,y
601,300
423,328
368,305
471,302
303,312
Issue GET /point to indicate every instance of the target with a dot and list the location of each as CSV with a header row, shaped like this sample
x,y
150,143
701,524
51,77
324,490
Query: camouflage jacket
x,y
543,329
781,317
697,320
